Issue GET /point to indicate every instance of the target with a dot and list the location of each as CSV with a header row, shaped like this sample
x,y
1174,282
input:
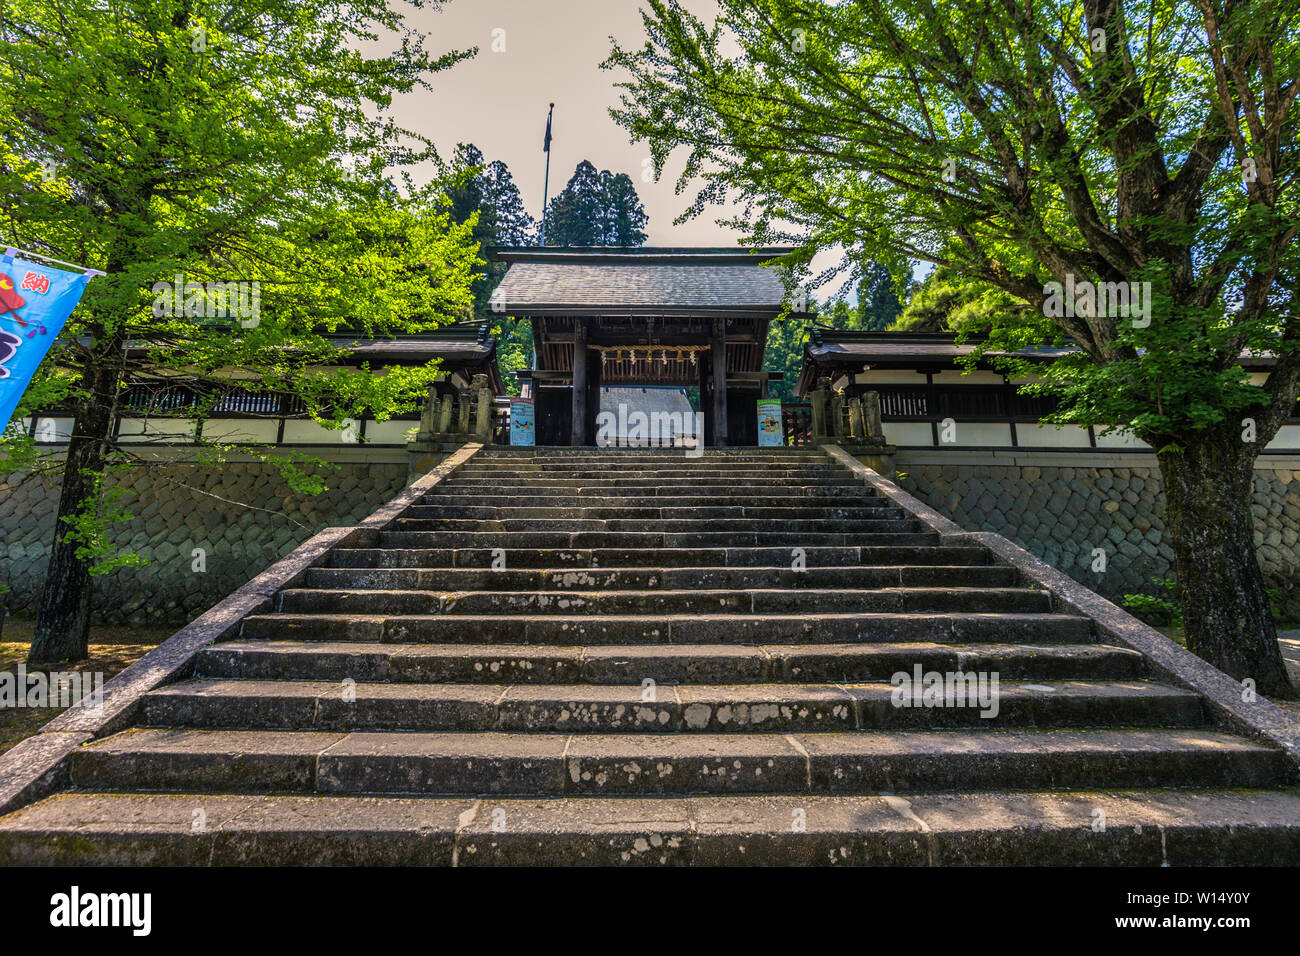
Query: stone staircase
x,y
581,656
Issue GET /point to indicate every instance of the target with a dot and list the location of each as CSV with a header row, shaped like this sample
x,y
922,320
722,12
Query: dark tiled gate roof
x,y
557,282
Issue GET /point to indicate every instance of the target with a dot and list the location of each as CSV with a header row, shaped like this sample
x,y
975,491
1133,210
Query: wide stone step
x,y
664,601
434,505
756,470
618,453
700,484
567,629
663,663
793,494
568,579
815,557
672,764
664,525
636,539
659,457
1142,828
712,708
646,475
653,511
679,466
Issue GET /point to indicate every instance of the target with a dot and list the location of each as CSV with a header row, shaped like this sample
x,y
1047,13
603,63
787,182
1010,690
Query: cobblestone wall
x,y
1061,514
1058,513
178,508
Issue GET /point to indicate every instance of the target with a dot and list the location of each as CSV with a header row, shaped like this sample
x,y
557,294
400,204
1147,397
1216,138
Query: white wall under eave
x,y
241,430
156,429
1120,439
1287,437
298,431
1051,436
995,434
883,376
909,433
978,377
390,432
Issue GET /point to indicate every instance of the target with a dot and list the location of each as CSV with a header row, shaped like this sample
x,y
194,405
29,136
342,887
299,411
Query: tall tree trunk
x,y
1226,616
63,620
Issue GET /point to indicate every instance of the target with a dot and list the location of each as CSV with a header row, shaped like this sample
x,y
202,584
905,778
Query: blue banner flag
x,y
35,301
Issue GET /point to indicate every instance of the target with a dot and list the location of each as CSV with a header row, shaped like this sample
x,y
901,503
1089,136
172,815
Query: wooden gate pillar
x,y
578,426
718,354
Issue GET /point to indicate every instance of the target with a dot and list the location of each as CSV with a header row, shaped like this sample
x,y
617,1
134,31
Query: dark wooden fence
x,y
796,419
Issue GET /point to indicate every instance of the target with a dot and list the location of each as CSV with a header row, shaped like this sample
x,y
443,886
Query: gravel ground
x,y
111,649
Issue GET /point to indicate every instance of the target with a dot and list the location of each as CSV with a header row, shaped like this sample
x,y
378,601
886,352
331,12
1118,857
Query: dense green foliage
x,y
486,193
1016,149
596,209
227,142
243,141
946,301
1126,171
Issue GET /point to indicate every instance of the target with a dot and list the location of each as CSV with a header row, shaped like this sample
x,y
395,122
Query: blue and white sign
x,y
521,422
35,301
771,430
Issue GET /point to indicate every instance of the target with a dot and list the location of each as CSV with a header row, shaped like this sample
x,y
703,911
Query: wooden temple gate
x,y
643,316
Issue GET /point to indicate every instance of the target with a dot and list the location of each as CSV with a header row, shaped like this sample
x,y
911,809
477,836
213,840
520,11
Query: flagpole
x,y
12,251
546,181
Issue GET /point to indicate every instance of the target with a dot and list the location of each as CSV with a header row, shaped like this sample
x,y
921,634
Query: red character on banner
x,y
36,282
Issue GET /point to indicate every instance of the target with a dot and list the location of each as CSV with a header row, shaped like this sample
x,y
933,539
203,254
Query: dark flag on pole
x,y
546,180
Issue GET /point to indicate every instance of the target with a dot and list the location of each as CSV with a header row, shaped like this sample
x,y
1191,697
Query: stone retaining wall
x,y
178,508
1057,506
1061,507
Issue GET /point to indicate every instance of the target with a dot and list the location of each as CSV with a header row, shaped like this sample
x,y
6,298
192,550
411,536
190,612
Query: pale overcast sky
x,y
546,51
532,53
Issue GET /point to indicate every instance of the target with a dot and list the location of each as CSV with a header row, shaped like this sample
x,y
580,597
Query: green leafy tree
x,y
946,301
596,209
623,217
878,302
1036,148
487,193
784,353
226,142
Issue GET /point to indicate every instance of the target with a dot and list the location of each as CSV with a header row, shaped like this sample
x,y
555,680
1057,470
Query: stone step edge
x,y
1116,828
1227,700
281,659
683,708
393,628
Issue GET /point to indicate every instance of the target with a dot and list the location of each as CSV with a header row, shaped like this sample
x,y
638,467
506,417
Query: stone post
x,y
462,418
857,429
428,415
871,413
837,414
483,410
444,415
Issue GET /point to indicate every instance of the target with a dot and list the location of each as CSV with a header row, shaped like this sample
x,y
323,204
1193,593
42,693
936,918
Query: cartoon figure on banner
x,y
8,349
10,303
